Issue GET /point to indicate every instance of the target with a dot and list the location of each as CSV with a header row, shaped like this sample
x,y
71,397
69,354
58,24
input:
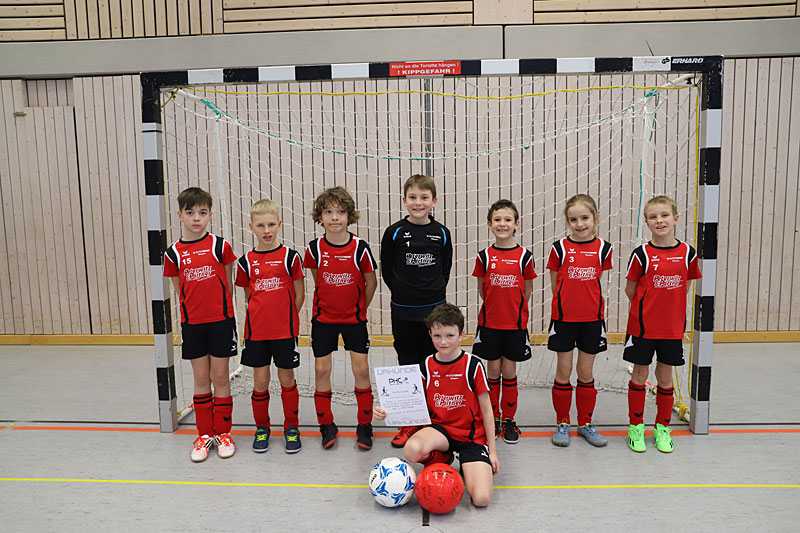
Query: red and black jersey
x,y
658,308
271,301
200,267
504,271
451,391
579,296
339,290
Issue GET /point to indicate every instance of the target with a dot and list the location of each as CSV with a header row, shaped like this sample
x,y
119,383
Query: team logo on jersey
x,y
268,284
501,280
338,280
421,260
434,237
581,273
667,282
199,273
406,235
449,402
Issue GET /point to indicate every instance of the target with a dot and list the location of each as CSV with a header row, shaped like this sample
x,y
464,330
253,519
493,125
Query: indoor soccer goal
x,y
620,135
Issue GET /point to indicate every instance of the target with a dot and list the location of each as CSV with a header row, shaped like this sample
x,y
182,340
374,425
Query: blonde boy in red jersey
x,y
200,267
457,394
272,276
658,281
505,280
343,269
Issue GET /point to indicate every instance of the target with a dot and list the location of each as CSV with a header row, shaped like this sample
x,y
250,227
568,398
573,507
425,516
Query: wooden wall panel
x,y
32,20
42,20
111,174
607,11
42,276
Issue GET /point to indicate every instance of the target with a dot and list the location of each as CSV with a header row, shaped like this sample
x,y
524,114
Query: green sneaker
x,y
636,438
663,439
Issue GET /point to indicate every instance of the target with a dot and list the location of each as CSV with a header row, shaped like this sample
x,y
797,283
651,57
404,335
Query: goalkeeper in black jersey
x,y
416,257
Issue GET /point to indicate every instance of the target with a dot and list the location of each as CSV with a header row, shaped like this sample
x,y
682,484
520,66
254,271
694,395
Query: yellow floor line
x,y
328,486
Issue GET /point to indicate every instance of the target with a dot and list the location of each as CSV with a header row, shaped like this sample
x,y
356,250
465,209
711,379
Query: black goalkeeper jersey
x,y
415,265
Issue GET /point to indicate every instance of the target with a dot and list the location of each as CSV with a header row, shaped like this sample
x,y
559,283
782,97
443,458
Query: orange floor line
x,y
377,434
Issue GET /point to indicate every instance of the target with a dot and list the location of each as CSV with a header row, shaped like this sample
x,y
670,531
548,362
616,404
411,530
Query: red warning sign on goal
x,y
425,68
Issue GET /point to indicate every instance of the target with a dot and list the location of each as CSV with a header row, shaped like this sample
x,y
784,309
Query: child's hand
x,y
378,413
495,462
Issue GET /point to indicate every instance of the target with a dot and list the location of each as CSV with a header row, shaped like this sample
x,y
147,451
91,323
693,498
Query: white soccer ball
x,y
391,482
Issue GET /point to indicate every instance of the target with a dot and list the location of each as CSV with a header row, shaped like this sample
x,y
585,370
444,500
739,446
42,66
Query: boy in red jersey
x,y
416,257
344,283
505,280
658,276
457,394
200,267
576,264
272,277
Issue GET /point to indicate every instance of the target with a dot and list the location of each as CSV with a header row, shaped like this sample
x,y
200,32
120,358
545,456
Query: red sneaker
x,y
402,436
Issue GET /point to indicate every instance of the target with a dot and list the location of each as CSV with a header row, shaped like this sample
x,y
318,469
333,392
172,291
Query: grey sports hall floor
x,y
80,451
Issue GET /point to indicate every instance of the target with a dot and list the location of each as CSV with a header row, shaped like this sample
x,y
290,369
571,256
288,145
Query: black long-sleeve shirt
x,y
415,265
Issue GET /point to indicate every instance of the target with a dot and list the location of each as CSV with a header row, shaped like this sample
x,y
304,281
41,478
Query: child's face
x,y
503,224
195,220
334,218
419,203
661,220
446,339
266,227
581,222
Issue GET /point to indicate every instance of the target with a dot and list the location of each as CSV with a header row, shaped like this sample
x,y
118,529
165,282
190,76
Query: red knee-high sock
x,y
364,400
562,401
494,396
510,395
585,399
290,399
223,410
260,402
664,401
204,414
322,403
636,394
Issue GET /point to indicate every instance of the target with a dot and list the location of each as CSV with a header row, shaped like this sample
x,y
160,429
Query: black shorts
x,y
640,351
492,344
468,451
325,338
259,354
216,338
588,337
412,341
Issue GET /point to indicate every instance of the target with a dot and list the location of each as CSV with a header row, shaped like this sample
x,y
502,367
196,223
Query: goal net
x,y
536,140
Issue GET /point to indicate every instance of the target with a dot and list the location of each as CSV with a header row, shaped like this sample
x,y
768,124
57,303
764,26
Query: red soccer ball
x,y
439,488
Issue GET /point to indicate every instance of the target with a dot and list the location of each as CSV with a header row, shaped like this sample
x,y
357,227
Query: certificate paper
x,y
402,396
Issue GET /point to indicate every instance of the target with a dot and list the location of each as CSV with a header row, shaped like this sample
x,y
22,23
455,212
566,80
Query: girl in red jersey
x,y
577,320
505,280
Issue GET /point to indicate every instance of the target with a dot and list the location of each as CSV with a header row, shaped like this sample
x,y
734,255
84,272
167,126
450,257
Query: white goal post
x,y
532,130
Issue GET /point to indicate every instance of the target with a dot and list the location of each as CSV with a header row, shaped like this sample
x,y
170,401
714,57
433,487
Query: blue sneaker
x,y
594,438
261,442
292,436
561,436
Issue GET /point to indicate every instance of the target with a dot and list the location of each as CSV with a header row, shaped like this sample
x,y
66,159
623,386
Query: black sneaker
x,y
329,433
261,442
510,431
498,427
364,436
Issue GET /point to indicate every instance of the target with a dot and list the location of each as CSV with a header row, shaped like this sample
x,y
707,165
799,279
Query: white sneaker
x,y
201,447
225,445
